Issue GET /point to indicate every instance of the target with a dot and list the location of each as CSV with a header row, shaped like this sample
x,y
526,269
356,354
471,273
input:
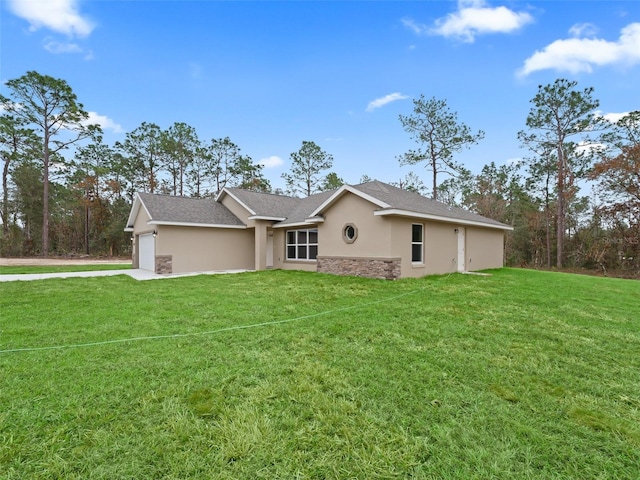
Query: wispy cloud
x,y
576,55
417,28
53,46
382,101
60,16
473,17
105,122
271,162
583,30
57,48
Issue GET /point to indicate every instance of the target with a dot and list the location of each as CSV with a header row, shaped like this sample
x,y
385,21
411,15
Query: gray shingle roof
x,y
171,209
305,206
292,209
400,199
266,204
206,211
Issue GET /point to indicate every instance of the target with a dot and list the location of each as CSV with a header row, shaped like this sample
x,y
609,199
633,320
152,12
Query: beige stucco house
x,y
372,230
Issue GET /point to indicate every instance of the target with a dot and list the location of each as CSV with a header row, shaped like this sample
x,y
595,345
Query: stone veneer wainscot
x,y
384,268
164,264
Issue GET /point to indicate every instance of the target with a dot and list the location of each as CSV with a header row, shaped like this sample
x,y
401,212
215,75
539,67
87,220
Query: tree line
x,y
64,191
570,146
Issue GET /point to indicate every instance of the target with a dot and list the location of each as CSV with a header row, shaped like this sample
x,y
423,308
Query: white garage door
x,y
147,252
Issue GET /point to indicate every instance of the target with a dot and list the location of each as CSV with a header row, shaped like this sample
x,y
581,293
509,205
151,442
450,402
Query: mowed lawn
x,y
22,269
283,375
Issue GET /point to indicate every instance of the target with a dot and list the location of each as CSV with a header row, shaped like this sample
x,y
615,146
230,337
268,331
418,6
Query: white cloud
x,y
475,17
382,101
61,16
105,122
588,148
271,162
576,55
612,117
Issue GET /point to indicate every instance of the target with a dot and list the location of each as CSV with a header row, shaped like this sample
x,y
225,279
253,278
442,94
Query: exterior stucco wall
x,y
386,237
373,233
260,244
485,248
380,239
140,225
401,229
441,248
371,254
278,247
197,249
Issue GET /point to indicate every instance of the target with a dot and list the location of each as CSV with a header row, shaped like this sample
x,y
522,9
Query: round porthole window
x,y
349,233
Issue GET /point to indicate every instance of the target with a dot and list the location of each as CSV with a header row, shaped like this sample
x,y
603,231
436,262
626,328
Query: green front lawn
x,y
276,374
19,269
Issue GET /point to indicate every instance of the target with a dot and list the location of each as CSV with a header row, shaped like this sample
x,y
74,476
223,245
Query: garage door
x,y
147,252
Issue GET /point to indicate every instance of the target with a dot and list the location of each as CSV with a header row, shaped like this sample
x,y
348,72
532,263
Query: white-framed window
x,y
417,243
302,244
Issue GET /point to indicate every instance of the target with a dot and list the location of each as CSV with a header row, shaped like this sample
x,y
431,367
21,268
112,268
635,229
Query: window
x,y
349,233
417,243
302,244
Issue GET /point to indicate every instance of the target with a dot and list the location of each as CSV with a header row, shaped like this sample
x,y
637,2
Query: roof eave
x,y
439,218
265,217
295,224
193,224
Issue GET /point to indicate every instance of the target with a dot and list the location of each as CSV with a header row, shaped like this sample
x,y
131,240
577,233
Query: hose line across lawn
x,y
210,332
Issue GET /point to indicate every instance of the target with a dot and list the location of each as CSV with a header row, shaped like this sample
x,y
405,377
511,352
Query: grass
x,y
20,269
522,374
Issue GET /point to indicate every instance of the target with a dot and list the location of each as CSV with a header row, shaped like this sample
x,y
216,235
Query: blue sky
x,y
271,74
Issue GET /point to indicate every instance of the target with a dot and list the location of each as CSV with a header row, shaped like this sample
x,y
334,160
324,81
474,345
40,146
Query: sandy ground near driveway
x,y
33,261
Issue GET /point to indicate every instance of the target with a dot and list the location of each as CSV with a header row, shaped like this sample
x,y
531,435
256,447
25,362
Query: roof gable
x,y
173,210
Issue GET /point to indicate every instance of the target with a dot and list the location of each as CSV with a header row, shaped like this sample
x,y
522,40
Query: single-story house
x,y
372,230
